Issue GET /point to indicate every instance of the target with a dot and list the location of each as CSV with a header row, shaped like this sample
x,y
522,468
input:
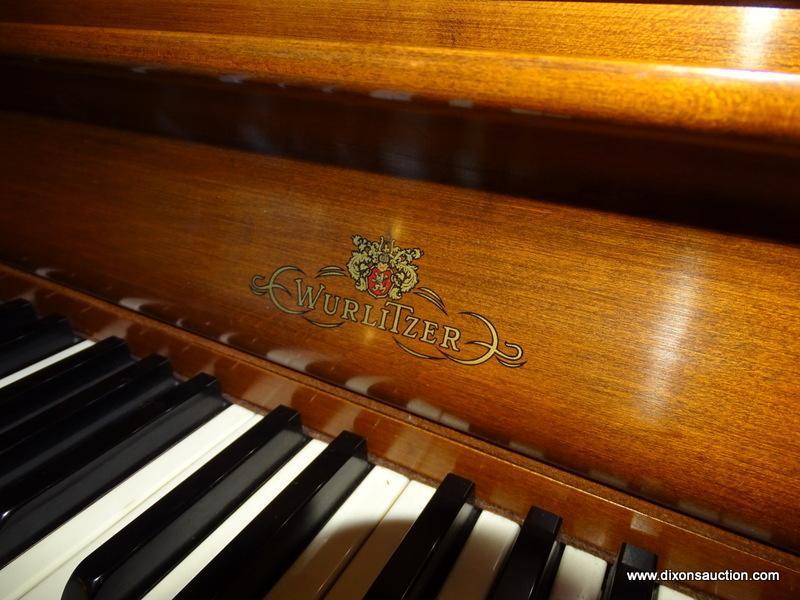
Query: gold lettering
x,y
325,305
451,336
367,311
413,320
430,330
492,348
398,313
349,310
384,314
306,298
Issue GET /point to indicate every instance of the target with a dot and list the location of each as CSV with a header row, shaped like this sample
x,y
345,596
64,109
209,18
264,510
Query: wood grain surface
x,y
714,183
704,35
596,517
703,69
661,360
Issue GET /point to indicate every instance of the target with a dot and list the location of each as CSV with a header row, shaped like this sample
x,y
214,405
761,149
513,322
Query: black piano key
x,y
421,563
183,410
128,565
255,559
15,315
532,563
631,559
30,420
72,374
42,459
34,342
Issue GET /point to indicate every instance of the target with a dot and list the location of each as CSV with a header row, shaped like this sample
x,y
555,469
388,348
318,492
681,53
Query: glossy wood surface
x,y
661,360
644,32
596,517
739,186
703,69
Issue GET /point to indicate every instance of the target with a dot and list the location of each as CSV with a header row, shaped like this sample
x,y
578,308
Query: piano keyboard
x,y
119,481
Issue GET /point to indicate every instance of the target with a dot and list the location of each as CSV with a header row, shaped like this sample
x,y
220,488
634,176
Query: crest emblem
x,y
386,272
382,269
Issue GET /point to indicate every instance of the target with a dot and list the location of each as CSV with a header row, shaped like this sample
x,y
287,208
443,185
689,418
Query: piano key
x,y
665,593
24,421
251,564
15,315
43,459
34,342
420,564
580,576
45,362
46,386
134,560
190,566
185,409
317,567
631,559
67,444
362,571
483,556
41,573
532,562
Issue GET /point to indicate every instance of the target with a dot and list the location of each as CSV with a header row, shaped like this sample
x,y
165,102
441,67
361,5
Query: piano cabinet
x,y
548,247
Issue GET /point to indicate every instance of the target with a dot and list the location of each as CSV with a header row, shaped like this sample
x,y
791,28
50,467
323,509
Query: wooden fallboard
x,y
658,359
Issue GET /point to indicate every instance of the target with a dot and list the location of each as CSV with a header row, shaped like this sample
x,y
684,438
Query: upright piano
x,y
382,299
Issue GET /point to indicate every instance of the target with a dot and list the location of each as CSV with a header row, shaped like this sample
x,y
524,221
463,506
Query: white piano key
x,y
45,362
317,567
46,566
665,593
377,550
579,577
194,562
481,558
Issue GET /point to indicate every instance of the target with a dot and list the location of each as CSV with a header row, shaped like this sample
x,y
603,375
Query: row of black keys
x,y
82,425
72,431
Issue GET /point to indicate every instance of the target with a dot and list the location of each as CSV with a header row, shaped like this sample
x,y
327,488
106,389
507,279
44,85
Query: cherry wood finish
x,y
703,69
710,36
729,185
661,360
596,517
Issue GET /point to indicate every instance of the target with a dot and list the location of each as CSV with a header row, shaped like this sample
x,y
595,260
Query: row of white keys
x,y
45,362
212,545
43,570
381,505
481,559
362,571
325,557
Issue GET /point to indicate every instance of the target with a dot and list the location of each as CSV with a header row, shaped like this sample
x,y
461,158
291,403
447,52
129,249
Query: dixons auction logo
x,y
385,273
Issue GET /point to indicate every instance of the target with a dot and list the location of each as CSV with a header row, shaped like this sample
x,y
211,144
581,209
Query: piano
x,y
380,299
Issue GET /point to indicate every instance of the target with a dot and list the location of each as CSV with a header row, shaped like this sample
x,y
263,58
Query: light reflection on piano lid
x,y
758,25
672,337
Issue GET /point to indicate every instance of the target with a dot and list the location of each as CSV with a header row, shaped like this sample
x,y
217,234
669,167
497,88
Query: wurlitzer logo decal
x,y
385,273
